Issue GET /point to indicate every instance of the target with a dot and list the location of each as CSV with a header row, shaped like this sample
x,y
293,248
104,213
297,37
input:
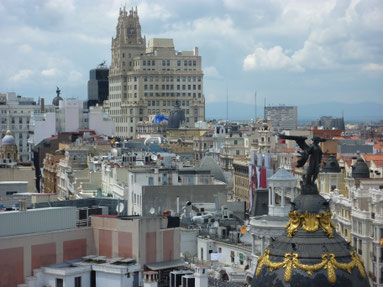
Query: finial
x,y
8,133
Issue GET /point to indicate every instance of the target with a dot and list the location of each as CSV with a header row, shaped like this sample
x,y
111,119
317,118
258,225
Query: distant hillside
x,y
352,112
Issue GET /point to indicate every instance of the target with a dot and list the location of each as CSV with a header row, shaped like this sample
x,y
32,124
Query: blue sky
x,y
290,52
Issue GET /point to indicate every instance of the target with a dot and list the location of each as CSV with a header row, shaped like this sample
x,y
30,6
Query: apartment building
x,y
15,115
148,80
282,117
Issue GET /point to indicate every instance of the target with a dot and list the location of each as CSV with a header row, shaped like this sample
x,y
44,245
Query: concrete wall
x,y
145,239
37,220
24,253
165,197
44,127
12,187
99,123
19,174
189,241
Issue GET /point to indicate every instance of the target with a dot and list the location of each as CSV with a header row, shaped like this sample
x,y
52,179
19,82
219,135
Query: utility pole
x,y
255,106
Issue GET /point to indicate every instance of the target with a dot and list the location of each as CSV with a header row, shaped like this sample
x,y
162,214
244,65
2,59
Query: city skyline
x,y
290,53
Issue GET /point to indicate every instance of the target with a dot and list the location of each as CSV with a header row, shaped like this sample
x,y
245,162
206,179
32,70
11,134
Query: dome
x,y
155,140
310,252
360,169
8,139
56,100
331,165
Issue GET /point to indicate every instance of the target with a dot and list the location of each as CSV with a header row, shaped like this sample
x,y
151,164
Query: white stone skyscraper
x,y
148,80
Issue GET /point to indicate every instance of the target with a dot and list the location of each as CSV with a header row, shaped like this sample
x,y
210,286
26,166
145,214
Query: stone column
x,y
273,196
262,244
283,197
253,244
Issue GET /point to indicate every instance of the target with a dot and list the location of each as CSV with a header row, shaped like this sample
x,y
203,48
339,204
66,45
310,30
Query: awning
x,y
166,264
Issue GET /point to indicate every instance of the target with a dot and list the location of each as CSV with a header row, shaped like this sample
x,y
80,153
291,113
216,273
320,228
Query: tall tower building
x,y
98,85
148,80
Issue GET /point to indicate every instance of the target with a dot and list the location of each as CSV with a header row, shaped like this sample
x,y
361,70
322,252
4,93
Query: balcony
x,y
361,214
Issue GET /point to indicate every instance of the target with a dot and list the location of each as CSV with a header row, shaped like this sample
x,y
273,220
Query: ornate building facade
x,y
146,80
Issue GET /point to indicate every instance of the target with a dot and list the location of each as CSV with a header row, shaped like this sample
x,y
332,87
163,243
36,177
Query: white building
x,y
71,116
119,272
43,126
100,122
147,80
15,115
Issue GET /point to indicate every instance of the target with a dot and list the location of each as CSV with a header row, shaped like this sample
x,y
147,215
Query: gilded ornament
x,y
310,223
326,224
294,223
328,263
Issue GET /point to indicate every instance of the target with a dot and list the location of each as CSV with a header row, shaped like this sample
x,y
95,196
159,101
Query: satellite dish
x,y
152,211
216,224
120,207
153,157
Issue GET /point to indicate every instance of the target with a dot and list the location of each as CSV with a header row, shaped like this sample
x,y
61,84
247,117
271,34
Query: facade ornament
x,y
329,263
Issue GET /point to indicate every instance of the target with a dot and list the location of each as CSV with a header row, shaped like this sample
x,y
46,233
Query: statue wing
x,y
301,141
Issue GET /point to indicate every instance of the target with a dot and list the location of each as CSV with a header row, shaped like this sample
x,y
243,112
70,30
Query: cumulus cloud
x,y
21,75
373,67
49,72
271,59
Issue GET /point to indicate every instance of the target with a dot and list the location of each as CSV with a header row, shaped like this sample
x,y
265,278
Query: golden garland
x,y
328,262
310,223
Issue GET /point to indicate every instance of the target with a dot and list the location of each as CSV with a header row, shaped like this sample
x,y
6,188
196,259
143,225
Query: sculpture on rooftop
x,y
311,152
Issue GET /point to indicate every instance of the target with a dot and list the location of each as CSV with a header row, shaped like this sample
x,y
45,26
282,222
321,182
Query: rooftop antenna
x,y
264,106
227,103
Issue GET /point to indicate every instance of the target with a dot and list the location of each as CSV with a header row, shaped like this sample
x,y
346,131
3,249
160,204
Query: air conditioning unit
x,y
188,280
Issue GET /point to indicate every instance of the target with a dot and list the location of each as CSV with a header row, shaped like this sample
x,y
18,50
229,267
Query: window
x,y
77,281
59,282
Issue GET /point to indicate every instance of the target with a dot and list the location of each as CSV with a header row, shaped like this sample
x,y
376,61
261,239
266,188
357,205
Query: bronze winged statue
x,y
312,152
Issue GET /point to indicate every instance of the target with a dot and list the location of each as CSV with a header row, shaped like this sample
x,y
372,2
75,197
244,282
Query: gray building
x,y
329,123
282,117
98,86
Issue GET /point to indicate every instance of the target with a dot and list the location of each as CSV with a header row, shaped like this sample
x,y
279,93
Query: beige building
x,y
241,180
147,80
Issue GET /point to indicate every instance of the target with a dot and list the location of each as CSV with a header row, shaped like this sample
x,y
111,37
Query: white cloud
x,y
272,59
211,72
373,67
153,11
49,72
21,75
93,40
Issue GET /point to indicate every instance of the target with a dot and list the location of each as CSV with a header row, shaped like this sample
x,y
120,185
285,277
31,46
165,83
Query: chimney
x,y
150,279
201,276
42,106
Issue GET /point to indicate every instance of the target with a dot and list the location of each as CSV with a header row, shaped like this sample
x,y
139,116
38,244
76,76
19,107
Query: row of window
x,y
173,95
171,87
